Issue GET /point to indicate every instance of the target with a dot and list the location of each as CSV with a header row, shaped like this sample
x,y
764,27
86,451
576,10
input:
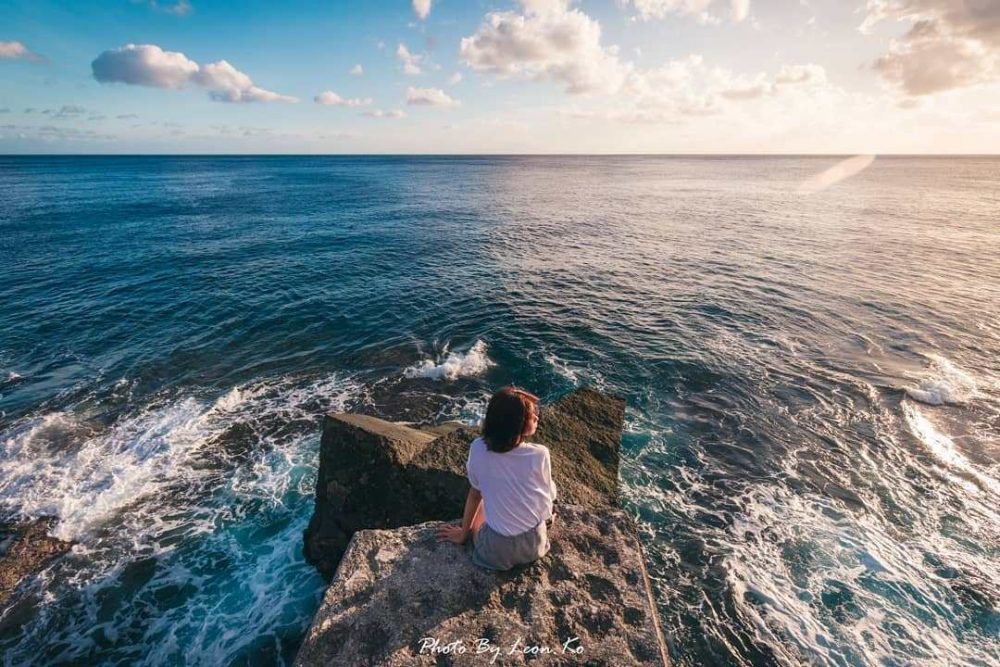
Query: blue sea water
x,y
813,380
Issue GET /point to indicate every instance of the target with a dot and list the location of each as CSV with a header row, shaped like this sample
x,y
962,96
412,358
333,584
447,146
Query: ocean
x,y
812,372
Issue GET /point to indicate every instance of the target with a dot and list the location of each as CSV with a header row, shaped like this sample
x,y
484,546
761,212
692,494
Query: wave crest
x,y
454,365
54,464
947,384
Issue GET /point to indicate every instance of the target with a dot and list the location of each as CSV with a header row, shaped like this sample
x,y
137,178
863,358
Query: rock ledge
x,y
399,597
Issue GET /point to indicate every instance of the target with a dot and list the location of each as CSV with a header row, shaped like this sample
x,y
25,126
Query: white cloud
x,y
18,51
552,41
648,10
357,70
794,74
658,9
330,98
228,84
178,8
379,113
434,97
950,44
688,87
411,61
144,65
455,78
422,8
149,65
740,9
548,41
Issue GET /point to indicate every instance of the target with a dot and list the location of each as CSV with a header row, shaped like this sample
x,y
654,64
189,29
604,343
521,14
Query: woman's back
x,y
511,492
516,485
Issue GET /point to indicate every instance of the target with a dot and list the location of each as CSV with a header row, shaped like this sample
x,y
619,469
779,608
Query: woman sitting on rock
x,y
511,494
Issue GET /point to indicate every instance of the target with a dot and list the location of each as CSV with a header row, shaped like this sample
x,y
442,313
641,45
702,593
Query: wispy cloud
x,y
18,51
411,61
379,113
433,97
332,99
648,10
177,8
58,133
68,111
149,65
422,8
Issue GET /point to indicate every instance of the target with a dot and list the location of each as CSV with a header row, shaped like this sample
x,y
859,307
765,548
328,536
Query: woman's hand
x,y
452,533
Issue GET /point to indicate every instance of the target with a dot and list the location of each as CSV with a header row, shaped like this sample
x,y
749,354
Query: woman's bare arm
x,y
459,534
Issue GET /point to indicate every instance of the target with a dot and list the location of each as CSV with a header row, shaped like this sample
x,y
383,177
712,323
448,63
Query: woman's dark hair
x,y
507,418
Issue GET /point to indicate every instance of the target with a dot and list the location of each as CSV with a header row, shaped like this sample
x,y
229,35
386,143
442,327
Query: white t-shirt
x,y
517,486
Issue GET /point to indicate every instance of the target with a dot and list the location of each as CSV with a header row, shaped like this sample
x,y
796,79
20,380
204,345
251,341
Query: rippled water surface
x,y
813,380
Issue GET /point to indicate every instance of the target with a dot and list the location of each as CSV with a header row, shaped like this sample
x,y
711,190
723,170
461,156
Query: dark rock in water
x,y
361,483
583,431
399,597
25,550
378,474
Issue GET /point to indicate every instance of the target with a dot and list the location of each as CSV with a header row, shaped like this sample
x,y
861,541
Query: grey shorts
x,y
497,551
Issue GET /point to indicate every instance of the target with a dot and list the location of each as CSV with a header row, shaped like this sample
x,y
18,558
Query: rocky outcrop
x,y
25,550
399,597
379,474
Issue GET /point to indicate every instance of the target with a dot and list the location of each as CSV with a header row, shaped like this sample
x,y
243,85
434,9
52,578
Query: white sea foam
x,y
138,457
86,486
233,399
469,409
228,537
562,368
798,554
812,581
453,365
576,374
945,383
944,450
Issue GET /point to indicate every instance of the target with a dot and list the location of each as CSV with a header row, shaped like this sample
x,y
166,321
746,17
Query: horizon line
x,y
387,154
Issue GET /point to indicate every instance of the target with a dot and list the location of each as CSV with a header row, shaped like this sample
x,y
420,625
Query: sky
x,y
500,76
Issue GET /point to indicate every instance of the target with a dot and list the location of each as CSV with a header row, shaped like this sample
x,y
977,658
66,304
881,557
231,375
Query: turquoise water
x,y
813,382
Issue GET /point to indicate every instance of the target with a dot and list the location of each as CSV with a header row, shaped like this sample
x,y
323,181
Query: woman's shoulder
x,y
537,448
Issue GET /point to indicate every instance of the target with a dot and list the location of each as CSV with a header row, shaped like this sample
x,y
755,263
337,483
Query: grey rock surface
x,y
399,597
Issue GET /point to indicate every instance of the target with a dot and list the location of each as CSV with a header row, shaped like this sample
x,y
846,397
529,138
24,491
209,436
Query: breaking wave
x,y
188,515
943,450
453,365
945,384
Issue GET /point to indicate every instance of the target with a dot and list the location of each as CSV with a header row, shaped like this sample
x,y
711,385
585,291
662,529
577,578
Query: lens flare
x,y
841,171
